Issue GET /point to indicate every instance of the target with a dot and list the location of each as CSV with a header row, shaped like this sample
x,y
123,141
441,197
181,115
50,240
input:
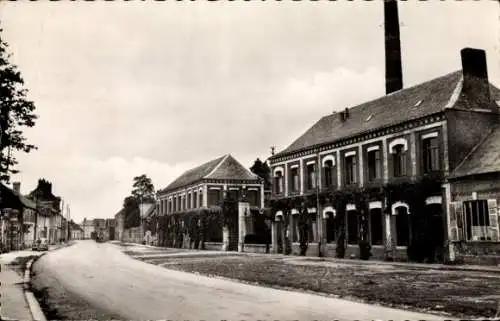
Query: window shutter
x,y
455,211
493,214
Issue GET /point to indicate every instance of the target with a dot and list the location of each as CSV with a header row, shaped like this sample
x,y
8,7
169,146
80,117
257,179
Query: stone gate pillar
x,y
274,236
225,238
243,212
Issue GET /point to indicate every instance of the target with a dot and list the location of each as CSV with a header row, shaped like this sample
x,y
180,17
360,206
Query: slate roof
x,y
224,167
483,159
404,105
17,198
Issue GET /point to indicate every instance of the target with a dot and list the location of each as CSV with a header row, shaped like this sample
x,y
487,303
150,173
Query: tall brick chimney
x,y
475,71
393,68
16,186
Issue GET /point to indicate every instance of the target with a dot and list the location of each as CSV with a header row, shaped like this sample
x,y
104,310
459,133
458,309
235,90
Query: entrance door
x,y
436,232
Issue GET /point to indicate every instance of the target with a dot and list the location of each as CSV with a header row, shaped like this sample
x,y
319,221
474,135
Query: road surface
x,y
109,280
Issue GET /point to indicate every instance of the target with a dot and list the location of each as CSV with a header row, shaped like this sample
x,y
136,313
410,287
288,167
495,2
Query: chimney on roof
x,y
344,115
16,186
393,68
475,71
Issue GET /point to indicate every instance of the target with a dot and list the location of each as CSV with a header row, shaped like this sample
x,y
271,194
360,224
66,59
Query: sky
x,y
130,88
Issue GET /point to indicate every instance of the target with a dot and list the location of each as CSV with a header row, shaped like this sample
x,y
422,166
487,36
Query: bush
x,y
365,250
340,250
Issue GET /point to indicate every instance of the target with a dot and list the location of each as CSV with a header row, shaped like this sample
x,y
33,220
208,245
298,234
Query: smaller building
x,y
76,232
88,228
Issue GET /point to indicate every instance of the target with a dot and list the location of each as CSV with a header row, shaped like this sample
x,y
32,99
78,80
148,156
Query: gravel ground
x,y
458,293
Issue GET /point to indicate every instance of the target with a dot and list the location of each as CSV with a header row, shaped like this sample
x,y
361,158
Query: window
x,y
311,176
352,227
350,169
295,228
376,226
278,182
214,197
195,200
175,204
431,154
330,228
201,199
189,201
477,220
374,165
399,161
328,170
402,226
179,203
294,177
253,197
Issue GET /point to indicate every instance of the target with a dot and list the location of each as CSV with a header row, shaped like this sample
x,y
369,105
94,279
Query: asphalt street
x,y
112,281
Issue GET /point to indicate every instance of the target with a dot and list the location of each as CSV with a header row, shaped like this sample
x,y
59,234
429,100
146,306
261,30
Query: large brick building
x,y
203,189
395,172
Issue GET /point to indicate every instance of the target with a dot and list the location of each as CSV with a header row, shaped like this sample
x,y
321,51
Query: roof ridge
x,y
217,166
473,150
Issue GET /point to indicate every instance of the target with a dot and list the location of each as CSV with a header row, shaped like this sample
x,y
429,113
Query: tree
x,y
262,170
132,216
16,112
143,189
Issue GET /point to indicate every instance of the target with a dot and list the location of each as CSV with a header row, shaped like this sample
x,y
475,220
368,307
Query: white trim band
x,y
351,153
374,205
372,148
434,200
430,135
350,207
396,142
395,206
328,158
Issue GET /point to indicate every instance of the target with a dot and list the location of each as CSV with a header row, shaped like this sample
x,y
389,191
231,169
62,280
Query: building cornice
x,y
357,138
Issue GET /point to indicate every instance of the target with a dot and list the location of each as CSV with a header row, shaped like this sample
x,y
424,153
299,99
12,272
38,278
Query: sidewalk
x,y
13,302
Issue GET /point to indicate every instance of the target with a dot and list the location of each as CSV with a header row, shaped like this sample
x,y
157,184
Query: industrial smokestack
x,y
393,68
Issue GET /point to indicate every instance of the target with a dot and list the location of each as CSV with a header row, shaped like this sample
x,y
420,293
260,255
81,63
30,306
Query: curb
x,y
34,306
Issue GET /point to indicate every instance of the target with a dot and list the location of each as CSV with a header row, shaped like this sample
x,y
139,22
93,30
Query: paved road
x,y
110,280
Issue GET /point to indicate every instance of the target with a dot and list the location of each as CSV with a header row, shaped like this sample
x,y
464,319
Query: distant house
x,y
49,222
17,229
119,222
76,231
89,228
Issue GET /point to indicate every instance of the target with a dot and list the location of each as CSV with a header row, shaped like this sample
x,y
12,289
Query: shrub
x,y
365,250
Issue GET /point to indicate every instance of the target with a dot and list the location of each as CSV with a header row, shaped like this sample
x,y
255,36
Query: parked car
x,y
40,245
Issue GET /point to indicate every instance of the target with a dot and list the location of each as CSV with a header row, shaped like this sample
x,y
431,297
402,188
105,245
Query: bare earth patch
x,y
458,293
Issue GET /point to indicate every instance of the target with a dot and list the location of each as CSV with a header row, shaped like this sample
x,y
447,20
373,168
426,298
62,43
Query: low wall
x,y
478,253
213,246
255,248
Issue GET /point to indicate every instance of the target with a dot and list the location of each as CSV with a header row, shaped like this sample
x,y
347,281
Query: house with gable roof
x,y
413,174
204,187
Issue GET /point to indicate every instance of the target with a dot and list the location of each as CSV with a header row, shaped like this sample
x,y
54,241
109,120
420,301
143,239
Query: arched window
x,y
399,160
328,173
278,182
430,146
401,211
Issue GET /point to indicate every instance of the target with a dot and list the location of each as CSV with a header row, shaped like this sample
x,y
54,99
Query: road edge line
x,y
33,304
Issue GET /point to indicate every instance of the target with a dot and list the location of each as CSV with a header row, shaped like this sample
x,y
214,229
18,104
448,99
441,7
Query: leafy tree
x,y
16,112
143,189
262,170
132,216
